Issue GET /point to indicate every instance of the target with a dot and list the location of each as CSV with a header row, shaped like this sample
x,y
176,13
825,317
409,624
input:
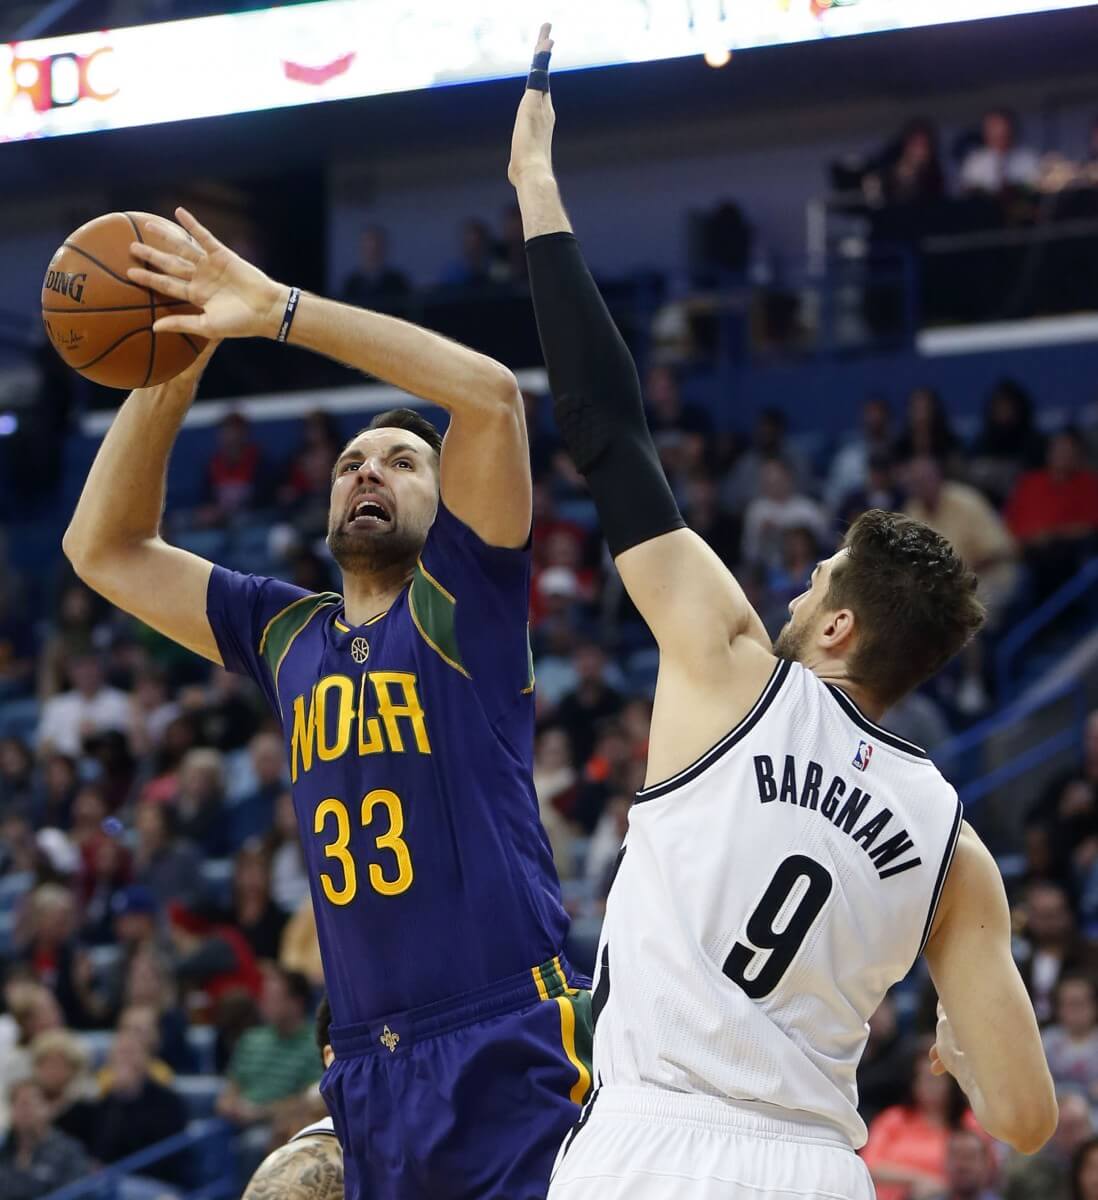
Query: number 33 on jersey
x,y
409,745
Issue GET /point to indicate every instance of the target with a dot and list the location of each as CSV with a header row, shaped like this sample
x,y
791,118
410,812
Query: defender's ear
x,y
837,630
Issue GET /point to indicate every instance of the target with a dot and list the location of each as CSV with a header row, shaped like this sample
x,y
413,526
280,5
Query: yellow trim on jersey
x,y
281,613
539,983
347,629
568,1041
434,645
431,579
293,638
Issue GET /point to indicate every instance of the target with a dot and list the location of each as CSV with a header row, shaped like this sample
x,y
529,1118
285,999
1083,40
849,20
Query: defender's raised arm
x,y
696,610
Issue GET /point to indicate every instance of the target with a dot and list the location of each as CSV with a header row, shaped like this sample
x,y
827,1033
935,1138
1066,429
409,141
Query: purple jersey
x,y
410,742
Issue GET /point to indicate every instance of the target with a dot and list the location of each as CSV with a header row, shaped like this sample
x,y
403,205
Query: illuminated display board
x,y
341,49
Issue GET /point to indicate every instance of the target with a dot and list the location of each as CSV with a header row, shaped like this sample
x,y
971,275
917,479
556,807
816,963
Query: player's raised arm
x,y
113,540
988,1038
689,600
485,463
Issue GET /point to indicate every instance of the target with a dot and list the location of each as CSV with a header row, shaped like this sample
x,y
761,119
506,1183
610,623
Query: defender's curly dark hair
x,y
912,597
323,1026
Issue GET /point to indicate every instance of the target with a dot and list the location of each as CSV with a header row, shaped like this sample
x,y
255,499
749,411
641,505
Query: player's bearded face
x,y
384,500
797,632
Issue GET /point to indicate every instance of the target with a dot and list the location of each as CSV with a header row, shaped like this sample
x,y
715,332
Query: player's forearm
x,y
416,360
1023,1115
123,497
540,204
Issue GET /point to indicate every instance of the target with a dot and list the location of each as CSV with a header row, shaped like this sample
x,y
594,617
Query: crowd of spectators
x,y
151,880
958,219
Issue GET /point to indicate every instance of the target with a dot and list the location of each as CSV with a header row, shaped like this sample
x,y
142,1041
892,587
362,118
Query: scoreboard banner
x,y
344,49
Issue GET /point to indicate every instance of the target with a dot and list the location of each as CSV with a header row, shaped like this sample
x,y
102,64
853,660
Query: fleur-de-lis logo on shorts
x,y
360,650
389,1039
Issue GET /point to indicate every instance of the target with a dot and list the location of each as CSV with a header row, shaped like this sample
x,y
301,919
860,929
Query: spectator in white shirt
x,y
1000,162
775,510
90,707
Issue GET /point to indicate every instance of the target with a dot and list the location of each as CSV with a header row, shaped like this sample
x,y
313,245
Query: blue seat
x,y
202,1040
19,718
199,1093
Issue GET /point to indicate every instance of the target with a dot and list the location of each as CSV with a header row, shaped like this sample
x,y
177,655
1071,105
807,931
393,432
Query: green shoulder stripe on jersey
x,y
432,608
284,626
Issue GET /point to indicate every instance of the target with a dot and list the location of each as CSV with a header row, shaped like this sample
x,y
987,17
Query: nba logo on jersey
x,y
865,753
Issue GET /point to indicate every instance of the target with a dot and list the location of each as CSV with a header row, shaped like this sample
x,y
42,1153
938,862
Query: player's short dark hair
x,y
407,418
914,601
323,1026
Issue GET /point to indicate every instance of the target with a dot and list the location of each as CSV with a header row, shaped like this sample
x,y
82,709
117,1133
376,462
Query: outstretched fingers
x,y
197,230
163,261
195,324
166,285
172,240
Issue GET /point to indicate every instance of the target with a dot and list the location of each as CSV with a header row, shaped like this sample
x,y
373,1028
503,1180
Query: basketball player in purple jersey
x,y
460,1033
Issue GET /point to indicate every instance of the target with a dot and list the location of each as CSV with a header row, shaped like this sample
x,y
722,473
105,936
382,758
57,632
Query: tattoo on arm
x,y
311,1169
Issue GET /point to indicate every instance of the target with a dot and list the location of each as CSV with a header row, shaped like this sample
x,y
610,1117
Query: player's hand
x,y
945,1054
532,139
236,298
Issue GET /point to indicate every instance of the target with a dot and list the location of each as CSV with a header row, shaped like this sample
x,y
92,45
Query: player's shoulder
x,y
869,737
973,871
450,536
276,609
310,1164
973,895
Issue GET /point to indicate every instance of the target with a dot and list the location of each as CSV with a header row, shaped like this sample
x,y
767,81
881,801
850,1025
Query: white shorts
x,y
646,1144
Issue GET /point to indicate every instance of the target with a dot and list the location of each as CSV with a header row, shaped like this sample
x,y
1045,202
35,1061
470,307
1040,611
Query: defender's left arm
x,y
485,458
988,1038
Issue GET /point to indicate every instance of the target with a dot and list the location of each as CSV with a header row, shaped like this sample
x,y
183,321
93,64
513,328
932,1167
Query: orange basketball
x,y
99,321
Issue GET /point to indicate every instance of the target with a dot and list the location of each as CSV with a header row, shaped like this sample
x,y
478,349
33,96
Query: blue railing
x,y
1037,622
206,1139
961,759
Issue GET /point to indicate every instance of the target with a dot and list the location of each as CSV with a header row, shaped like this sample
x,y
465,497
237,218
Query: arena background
x,y
835,303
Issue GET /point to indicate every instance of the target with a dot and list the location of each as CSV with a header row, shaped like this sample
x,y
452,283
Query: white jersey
x,y
324,1127
765,900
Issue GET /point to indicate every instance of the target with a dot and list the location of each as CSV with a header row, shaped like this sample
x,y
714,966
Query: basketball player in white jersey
x,y
789,859
310,1165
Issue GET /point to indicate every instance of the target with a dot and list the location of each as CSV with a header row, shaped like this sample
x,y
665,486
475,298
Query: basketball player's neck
x,y
368,594
833,671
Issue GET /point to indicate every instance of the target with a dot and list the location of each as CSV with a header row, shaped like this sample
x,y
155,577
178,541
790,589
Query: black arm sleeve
x,y
597,396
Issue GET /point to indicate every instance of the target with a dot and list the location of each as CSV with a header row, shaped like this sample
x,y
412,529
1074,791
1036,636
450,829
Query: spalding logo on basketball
x,y
99,321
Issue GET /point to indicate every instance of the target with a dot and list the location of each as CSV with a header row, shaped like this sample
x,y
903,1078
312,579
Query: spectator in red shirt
x,y
908,1143
1053,512
232,474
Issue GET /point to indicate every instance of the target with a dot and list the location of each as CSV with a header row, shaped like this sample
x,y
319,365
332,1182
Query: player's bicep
x,y
163,586
485,468
981,991
688,598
